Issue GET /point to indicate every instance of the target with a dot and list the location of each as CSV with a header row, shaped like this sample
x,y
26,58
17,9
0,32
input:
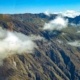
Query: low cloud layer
x,y
57,24
67,13
70,13
15,43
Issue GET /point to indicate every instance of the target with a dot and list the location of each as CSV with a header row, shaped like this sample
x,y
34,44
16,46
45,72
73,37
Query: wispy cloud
x,y
47,13
78,31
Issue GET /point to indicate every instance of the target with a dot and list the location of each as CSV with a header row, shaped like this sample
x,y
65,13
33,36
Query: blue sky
x,y
36,6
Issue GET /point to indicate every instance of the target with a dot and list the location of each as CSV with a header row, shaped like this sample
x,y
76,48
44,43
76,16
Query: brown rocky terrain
x,y
54,59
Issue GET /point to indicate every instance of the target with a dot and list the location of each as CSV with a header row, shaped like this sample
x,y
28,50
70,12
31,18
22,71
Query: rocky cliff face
x,y
56,58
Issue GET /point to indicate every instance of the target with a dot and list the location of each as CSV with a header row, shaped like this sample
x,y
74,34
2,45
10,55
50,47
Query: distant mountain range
x,y
57,56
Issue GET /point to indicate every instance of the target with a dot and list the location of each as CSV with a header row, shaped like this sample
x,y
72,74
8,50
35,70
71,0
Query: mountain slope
x,y
54,59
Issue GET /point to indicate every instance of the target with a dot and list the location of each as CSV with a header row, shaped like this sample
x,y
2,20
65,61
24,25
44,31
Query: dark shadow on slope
x,y
50,34
69,65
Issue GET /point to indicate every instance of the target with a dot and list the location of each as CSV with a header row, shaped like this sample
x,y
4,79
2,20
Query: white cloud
x,y
74,43
70,13
57,24
47,13
15,43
